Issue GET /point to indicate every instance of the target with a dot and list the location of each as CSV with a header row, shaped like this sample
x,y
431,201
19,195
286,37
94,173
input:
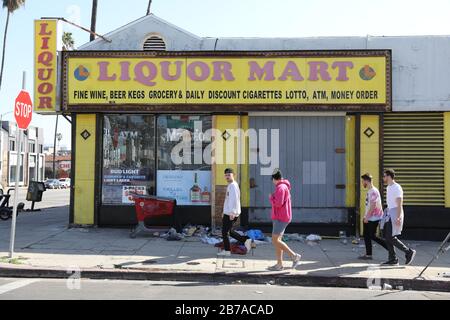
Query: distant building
x,y
63,165
32,157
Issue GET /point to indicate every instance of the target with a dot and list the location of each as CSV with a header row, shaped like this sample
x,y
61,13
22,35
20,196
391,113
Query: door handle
x,y
340,186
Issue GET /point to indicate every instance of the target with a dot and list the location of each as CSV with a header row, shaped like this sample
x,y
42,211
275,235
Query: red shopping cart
x,y
151,206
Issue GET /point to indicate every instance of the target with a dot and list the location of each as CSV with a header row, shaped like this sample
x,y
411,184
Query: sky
x,y
213,18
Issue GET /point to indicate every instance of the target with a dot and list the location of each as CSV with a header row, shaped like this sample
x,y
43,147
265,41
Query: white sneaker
x,y
276,267
224,253
296,261
248,245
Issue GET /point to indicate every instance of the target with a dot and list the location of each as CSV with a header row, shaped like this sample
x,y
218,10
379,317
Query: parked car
x,y
64,182
52,184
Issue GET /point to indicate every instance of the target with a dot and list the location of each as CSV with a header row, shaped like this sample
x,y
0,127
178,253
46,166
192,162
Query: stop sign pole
x,y
23,112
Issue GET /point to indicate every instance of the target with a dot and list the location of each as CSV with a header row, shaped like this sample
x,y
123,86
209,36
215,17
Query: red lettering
x,y
45,88
44,31
45,43
45,103
42,76
45,58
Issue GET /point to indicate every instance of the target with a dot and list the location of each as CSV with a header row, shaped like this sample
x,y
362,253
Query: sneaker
x,y
248,245
224,253
410,256
276,267
391,263
296,260
365,257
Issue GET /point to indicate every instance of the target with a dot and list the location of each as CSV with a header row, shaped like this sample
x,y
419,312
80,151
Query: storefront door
x,y
312,158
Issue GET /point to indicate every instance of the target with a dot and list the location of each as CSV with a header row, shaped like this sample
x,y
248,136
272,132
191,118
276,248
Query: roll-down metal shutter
x,y
414,148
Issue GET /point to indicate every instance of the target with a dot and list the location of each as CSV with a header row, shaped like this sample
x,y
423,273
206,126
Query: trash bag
x,y
256,235
313,237
235,248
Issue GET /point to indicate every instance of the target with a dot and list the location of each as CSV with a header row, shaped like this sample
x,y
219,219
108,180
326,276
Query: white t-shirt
x,y
393,192
232,204
373,196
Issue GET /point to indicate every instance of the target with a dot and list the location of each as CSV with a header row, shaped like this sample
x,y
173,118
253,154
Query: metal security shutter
x,y
414,148
154,43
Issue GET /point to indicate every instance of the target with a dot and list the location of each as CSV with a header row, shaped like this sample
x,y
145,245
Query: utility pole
x,y
54,147
94,18
149,6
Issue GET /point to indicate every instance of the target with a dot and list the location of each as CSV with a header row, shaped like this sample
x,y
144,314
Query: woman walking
x,y
281,217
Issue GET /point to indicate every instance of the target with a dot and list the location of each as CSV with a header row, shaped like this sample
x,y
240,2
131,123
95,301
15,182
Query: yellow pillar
x,y
84,187
226,155
369,155
350,194
447,158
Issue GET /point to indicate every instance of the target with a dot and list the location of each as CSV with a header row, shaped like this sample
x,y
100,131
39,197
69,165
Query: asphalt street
x,y
51,198
75,289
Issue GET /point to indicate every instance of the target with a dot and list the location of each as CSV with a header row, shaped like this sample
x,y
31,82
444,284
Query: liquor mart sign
x,y
290,78
45,65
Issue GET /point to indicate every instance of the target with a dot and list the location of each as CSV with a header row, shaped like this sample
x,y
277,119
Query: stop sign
x,y
23,110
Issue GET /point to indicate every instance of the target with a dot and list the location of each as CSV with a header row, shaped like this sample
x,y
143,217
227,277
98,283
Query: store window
x,y
12,168
128,158
12,145
183,173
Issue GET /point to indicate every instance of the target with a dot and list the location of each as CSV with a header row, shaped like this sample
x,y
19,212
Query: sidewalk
x,y
46,247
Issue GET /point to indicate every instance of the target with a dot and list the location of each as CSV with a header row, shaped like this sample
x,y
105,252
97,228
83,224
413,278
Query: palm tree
x,y
68,42
149,5
94,18
11,5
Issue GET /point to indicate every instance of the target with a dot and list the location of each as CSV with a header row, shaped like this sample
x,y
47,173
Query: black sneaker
x,y
410,256
391,263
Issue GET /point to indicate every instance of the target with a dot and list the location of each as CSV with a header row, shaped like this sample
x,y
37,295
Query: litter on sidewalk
x,y
313,238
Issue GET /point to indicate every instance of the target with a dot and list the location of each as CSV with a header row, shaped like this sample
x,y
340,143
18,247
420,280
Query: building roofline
x,y
150,16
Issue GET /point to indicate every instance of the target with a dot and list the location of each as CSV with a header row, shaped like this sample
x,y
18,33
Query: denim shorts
x,y
279,227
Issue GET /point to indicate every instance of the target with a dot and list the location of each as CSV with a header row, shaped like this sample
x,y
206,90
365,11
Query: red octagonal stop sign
x,y
23,110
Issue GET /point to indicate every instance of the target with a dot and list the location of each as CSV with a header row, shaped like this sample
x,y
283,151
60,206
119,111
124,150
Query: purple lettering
x,y
316,67
257,72
342,67
103,72
291,71
204,71
165,70
222,68
125,71
145,77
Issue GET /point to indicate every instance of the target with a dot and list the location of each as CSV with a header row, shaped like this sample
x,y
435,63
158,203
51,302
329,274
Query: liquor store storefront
x,y
169,123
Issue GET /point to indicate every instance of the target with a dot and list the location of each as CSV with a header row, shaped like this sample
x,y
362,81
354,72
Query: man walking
x,y
231,212
372,216
393,220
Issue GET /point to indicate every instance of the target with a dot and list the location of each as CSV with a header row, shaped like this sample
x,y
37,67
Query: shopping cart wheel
x,y
5,214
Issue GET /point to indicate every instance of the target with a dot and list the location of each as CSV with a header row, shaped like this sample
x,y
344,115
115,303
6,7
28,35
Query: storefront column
x,y
447,158
369,157
351,182
226,145
84,178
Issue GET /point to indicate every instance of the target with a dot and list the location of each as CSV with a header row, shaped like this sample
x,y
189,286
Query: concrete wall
x,y
420,63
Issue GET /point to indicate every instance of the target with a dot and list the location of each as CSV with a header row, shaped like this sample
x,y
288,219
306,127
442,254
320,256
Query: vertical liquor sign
x,y
47,41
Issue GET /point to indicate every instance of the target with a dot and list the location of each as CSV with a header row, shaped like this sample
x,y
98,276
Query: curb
x,y
223,277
